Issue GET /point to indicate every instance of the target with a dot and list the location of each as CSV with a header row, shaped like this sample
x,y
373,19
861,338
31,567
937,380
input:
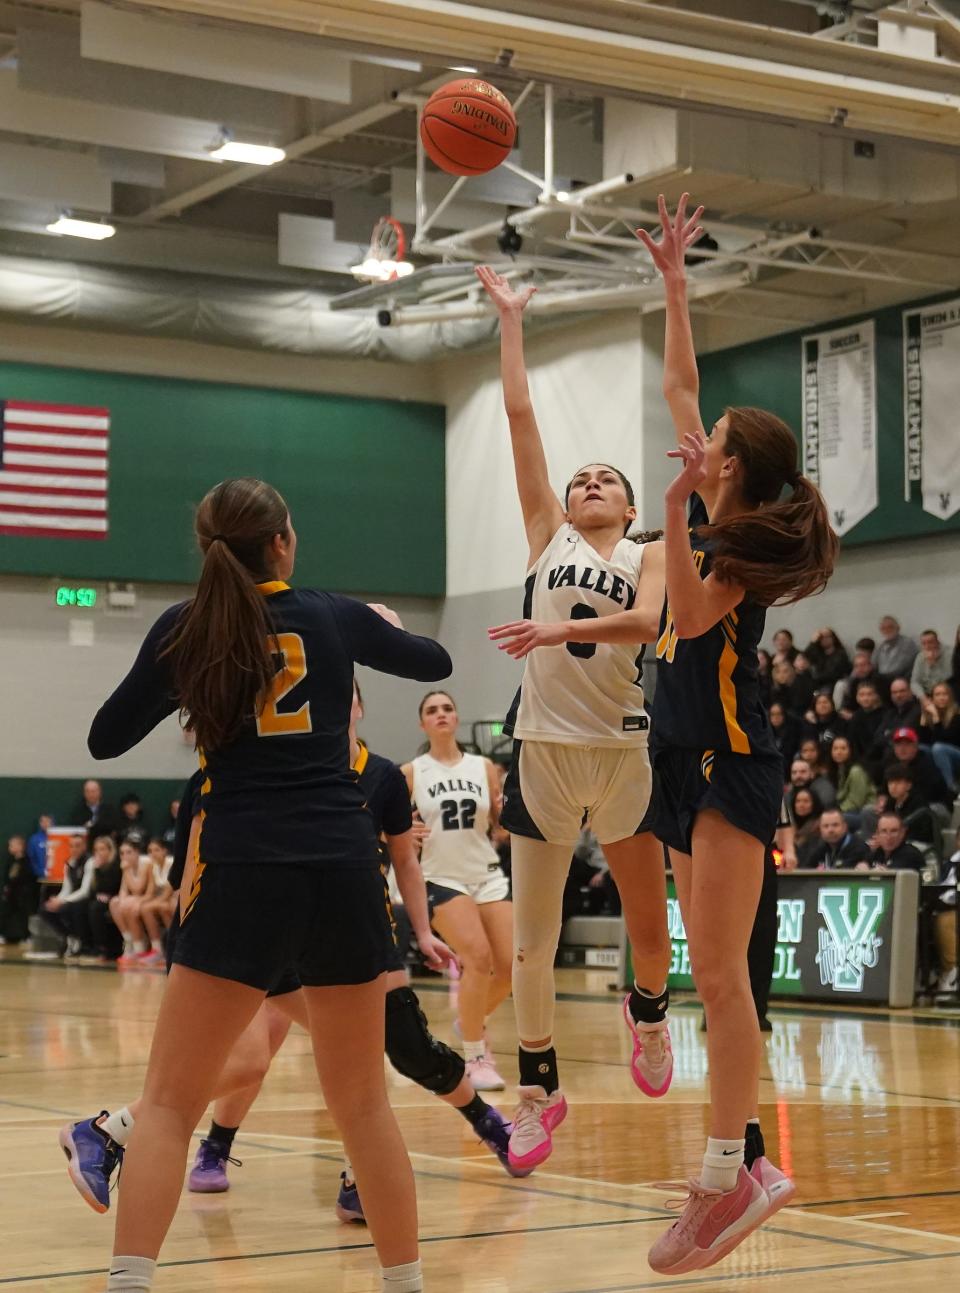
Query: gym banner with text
x,y
840,420
931,444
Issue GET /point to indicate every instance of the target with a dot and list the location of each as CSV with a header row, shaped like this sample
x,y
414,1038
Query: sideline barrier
x,y
843,936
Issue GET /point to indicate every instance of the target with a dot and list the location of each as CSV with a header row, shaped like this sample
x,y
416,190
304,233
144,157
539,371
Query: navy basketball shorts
x,y
746,789
264,924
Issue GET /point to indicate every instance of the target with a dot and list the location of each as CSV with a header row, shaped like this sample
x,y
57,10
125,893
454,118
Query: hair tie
x,y
221,537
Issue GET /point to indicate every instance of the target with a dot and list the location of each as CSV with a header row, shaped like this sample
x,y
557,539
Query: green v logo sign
x,y
848,945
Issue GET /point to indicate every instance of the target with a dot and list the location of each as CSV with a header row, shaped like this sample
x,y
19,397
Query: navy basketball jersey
x,y
708,695
282,790
385,789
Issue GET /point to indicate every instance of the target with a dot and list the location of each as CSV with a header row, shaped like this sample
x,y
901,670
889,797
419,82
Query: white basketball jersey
x,y
454,802
582,693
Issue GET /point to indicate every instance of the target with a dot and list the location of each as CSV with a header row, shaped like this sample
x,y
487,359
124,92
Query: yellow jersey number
x,y
293,669
667,641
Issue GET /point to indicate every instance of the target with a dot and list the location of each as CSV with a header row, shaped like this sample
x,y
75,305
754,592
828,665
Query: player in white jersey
x,y
580,748
457,796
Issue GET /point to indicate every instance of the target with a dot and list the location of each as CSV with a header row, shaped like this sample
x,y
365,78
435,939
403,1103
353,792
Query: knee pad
x,y
414,1051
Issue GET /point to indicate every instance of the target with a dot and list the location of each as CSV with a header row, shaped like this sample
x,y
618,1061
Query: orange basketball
x,y
468,127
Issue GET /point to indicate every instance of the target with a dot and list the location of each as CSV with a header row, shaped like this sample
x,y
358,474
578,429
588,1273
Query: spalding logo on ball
x,y
468,127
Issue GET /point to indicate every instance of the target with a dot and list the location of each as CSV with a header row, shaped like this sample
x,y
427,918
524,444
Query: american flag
x,y
53,470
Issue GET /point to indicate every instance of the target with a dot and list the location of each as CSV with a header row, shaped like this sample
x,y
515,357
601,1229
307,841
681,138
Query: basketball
x,y
467,127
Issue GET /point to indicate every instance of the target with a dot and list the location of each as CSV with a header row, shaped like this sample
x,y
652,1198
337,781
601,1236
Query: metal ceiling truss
x,y
582,252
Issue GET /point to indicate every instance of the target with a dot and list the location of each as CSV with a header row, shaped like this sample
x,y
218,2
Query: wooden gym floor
x,y
862,1107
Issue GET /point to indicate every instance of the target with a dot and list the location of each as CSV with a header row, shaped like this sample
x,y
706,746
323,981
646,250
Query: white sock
x,y
721,1164
118,1126
130,1273
139,946
156,945
127,946
348,1169
402,1279
474,1050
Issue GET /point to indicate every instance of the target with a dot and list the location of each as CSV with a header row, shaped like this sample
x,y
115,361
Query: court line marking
x,y
875,1216
882,1225
878,1198
673,1282
659,1213
899,1256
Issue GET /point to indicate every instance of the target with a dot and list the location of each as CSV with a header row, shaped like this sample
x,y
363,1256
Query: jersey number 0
x,y
293,669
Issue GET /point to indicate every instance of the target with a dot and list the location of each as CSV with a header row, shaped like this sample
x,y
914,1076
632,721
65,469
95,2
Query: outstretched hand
x,y
523,636
678,235
386,613
504,297
692,452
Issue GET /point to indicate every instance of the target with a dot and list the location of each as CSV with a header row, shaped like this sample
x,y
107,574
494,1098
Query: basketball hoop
x,y
384,261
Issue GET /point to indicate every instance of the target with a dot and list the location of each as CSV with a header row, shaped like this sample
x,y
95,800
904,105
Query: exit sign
x,y
86,597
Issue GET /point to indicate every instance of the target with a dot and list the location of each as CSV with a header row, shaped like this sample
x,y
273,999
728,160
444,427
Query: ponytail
x,y
778,552
222,646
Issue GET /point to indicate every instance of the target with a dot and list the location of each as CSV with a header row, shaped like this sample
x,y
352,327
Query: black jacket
x,y
851,850
905,858
927,781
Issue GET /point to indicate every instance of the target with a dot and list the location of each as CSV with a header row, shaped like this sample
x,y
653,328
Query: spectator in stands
x,y
904,708
865,644
823,721
894,656
945,924
107,876
854,788
829,662
839,847
18,889
940,728
136,886
67,911
932,664
892,851
792,690
589,890
865,728
169,831
37,846
811,754
786,734
157,911
902,796
91,812
806,810
955,665
764,677
845,694
926,778
783,647
132,825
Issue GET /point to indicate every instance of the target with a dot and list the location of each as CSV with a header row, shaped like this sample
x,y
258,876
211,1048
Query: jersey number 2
x,y
458,815
293,669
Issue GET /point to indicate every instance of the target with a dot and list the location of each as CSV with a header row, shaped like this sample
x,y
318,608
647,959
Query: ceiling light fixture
x,y
228,149
463,67
71,228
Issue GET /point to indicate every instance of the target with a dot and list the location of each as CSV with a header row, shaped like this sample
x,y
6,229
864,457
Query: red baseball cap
x,y
906,734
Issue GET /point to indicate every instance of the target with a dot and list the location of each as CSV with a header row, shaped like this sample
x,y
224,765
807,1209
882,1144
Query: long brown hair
x,y
220,648
779,552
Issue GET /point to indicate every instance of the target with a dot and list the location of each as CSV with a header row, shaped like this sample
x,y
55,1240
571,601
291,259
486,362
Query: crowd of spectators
x,y
871,756
113,901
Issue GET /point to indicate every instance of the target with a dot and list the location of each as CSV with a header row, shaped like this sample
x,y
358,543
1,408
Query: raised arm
x,y
695,604
375,637
681,381
142,700
542,511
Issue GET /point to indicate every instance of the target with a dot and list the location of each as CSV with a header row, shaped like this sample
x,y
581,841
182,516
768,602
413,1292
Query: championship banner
x,y
931,394
840,421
